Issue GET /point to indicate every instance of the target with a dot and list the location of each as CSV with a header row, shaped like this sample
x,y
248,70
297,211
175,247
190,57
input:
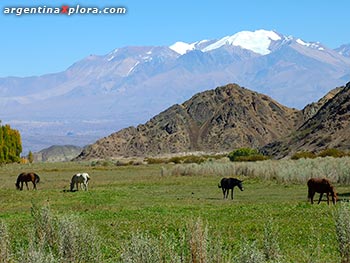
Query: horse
x,y
318,185
229,183
25,178
82,179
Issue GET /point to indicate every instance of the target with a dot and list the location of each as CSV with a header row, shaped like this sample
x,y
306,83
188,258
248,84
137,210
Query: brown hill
x,y
329,127
217,120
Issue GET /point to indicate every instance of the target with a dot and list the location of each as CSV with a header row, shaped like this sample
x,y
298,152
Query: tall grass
x,y
283,171
342,223
5,254
53,239
196,245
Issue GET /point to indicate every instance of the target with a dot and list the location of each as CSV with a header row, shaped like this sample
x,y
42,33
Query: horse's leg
x,y
232,194
34,186
21,188
27,185
86,186
327,198
312,195
319,200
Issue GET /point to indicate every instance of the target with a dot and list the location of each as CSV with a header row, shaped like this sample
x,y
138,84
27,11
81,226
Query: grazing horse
x,y
318,185
25,178
229,183
82,179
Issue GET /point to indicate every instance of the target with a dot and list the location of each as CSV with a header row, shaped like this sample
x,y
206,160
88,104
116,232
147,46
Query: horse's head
x,y
17,185
72,186
240,185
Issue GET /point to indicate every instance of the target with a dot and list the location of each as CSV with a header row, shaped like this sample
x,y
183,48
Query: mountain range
x,y
232,117
99,95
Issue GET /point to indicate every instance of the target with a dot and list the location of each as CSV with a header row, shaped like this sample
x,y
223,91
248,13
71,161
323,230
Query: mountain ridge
x,y
130,84
212,121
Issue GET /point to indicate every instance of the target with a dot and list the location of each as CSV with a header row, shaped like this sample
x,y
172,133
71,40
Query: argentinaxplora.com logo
x,y
64,10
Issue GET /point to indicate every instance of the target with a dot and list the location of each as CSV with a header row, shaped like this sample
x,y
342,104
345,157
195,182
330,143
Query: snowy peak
x,y
261,42
314,45
183,47
258,41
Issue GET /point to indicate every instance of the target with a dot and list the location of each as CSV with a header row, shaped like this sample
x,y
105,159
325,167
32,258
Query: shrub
x,y
251,158
332,152
155,160
246,154
303,154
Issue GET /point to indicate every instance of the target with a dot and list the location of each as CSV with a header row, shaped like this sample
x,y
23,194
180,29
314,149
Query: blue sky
x,y
41,44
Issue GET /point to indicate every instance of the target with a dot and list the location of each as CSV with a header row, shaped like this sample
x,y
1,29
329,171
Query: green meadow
x,y
141,208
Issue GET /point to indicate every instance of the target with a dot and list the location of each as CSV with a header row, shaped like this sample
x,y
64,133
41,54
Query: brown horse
x,y
318,185
25,178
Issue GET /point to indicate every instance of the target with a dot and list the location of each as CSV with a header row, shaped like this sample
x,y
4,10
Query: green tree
x,y
10,144
30,157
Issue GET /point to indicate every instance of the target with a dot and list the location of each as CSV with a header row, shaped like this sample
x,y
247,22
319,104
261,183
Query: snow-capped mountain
x,y
101,94
258,41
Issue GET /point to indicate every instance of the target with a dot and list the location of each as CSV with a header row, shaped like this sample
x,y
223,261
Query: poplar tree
x,y
10,144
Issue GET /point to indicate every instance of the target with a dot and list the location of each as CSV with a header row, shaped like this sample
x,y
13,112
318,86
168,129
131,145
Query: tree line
x,y
10,144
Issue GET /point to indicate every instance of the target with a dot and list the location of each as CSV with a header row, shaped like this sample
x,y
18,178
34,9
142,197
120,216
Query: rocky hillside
x,y
329,127
212,121
57,153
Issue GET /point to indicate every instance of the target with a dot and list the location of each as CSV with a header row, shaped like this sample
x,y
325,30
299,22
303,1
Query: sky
x,y
39,44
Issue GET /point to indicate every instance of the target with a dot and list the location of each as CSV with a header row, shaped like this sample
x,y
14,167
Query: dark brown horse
x,y
318,185
25,178
229,183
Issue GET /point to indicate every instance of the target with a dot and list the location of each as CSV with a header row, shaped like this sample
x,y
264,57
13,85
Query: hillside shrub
x,y
304,154
150,160
332,153
246,154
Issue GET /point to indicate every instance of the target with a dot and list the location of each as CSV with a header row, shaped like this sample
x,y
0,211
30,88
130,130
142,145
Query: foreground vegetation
x,y
174,213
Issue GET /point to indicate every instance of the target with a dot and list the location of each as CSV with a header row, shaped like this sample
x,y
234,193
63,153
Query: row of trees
x,y
10,144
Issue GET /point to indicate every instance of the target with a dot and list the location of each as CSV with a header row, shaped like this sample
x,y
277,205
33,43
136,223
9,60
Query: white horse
x,y
82,179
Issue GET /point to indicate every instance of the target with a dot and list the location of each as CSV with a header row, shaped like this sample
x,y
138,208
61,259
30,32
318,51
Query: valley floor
x,y
124,202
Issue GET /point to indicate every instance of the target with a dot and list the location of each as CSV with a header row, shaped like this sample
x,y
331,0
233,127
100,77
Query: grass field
x,y
126,202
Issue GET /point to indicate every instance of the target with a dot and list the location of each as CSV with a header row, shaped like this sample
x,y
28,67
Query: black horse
x,y
229,183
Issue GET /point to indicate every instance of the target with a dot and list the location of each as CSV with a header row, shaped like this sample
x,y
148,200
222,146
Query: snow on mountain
x,y
315,45
258,41
183,47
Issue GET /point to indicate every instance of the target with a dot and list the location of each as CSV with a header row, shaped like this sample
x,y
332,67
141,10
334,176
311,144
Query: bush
x,y
332,152
155,160
246,154
187,159
304,154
